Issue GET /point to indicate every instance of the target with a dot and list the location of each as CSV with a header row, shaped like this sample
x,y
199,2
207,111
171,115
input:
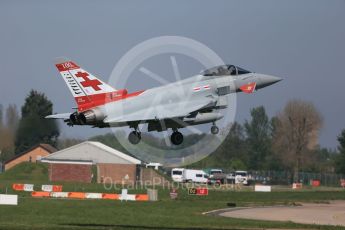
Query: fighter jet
x,y
192,101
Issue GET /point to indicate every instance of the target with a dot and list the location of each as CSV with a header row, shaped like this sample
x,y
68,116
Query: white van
x,y
177,174
194,175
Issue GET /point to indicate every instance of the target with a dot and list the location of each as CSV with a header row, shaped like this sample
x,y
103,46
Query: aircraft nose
x,y
267,80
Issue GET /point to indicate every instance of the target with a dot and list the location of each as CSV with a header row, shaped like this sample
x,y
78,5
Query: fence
x,y
285,177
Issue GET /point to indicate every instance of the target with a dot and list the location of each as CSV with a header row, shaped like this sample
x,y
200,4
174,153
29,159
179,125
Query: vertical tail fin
x,y
87,90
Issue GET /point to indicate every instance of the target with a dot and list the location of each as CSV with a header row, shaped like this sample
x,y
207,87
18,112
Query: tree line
x,y
287,141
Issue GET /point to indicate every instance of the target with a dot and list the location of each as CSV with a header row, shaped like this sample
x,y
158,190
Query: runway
x,y
308,213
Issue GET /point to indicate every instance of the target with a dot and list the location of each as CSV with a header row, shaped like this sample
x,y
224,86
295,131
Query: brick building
x,y
90,159
32,155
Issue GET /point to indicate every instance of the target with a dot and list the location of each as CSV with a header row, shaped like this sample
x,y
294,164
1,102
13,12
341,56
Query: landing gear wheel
x,y
176,138
134,137
214,129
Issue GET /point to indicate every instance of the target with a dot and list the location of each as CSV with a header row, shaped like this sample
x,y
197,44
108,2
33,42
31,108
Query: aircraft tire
x,y
214,129
134,137
176,138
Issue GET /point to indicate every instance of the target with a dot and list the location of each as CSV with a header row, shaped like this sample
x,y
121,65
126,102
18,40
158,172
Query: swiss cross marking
x,y
87,82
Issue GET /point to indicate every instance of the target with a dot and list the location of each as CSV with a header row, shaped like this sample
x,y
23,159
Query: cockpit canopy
x,y
223,70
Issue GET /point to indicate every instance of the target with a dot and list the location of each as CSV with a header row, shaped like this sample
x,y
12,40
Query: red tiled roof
x,y
46,147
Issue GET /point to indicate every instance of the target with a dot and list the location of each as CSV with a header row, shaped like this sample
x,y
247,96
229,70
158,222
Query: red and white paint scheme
x,y
248,88
87,90
206,86
198,88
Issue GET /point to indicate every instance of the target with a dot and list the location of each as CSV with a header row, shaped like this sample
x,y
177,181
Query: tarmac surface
x,y
332,213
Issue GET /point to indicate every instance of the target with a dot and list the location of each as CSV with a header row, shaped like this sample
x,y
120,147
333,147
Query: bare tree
x,y
12,118
295,133
7,131
1,117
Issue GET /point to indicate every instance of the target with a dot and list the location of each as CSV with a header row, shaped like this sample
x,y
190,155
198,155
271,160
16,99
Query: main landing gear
x,y
176,138
134,137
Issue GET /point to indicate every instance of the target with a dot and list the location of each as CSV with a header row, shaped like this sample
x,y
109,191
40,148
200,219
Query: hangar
x,y
92,161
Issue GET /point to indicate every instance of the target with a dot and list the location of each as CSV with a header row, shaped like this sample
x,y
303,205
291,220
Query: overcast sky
x,y
300,41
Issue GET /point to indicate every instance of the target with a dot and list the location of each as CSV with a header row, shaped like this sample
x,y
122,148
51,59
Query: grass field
x,y
184,213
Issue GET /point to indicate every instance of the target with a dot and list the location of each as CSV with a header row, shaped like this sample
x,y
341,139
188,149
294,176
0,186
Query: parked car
x,y
241,177
216,176
238,177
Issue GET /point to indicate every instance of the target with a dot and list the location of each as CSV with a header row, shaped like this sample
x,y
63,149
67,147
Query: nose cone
x,y
266,80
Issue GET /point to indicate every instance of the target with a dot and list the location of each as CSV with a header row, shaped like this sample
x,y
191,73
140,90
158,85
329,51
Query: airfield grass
x,y
183,213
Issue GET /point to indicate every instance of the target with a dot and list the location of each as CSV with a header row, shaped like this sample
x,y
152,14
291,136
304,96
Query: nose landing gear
x,y
214,129
134,137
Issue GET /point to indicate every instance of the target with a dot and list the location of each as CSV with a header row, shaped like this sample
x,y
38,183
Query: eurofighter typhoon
x,y
192,101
